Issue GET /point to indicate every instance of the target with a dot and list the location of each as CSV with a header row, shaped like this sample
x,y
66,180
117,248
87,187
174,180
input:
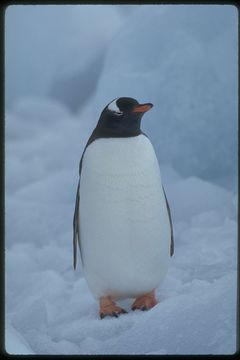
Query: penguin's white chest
x,y
124,224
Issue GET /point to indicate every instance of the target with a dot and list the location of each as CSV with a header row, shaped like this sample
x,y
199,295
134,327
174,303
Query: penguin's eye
x,y
118,113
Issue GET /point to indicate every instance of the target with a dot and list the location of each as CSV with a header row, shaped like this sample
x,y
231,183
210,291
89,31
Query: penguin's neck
x,y
113,129
117,128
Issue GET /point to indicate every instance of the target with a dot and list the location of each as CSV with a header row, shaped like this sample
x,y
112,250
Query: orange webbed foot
x,y
109,308
145,302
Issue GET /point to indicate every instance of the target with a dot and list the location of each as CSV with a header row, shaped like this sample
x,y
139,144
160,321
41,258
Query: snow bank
x,y
15,343
183,59
59,50
52,308
49,304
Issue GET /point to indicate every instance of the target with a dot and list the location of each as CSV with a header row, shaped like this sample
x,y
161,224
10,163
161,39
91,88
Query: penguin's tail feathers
x,y
76,228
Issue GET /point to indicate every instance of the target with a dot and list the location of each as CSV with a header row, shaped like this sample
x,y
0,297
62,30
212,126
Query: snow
x,y
59,58
191,80
183,59
16,343
51,306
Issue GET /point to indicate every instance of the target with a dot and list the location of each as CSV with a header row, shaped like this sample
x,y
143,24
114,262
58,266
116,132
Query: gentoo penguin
x,y
122,220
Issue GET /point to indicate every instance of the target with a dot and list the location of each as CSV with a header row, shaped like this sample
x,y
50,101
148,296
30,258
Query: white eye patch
x,y
114,108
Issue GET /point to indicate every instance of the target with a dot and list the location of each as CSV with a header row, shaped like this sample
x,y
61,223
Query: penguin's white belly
x,y
124,224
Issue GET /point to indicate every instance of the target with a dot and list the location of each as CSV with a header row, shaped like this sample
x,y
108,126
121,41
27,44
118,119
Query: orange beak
x,y
143,107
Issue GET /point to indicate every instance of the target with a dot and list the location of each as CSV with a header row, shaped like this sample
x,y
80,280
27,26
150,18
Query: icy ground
x,y
49,309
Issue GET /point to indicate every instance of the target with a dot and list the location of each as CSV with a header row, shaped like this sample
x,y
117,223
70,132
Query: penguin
x,y
122,221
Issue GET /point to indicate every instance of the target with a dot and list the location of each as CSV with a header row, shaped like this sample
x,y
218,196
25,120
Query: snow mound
x,y
183,59
49,306
15,343
56,55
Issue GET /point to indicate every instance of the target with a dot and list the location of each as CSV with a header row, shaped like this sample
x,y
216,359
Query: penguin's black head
x,y
126,106
122,117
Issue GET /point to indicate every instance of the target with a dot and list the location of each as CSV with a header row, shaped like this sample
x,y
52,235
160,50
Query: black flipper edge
x,y
76,230
171,226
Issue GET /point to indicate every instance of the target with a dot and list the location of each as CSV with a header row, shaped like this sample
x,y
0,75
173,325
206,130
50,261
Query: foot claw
x,y
115,314
134,308
124,311
144,308
102,315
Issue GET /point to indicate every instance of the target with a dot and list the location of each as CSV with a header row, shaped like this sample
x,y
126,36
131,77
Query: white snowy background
x,y
63,65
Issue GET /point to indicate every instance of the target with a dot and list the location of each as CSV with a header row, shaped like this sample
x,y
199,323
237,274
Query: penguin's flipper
x,y
76,225
171,226
76,228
